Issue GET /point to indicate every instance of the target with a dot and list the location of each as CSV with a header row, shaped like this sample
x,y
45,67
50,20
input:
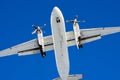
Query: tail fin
x,y
72,77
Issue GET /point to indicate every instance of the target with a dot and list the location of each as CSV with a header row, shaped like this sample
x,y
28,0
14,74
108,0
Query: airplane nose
x,y
56,10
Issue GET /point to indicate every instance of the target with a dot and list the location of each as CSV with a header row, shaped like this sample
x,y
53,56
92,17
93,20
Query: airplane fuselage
x,y
60,43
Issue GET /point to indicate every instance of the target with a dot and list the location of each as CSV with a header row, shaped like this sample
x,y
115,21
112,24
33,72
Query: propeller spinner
x,y
38,28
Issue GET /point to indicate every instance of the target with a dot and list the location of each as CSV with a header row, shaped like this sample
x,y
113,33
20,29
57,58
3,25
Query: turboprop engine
x,y
76,30
40,39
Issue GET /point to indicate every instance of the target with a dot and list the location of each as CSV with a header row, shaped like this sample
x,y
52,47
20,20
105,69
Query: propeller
x,y
75,20
38,28
83,21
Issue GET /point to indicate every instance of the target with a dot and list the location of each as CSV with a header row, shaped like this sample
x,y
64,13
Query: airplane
x,y
59,41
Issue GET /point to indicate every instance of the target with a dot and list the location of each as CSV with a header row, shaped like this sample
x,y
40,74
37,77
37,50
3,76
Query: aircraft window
x,y
57,20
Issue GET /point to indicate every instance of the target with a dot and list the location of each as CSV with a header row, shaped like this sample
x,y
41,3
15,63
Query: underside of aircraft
x,y
59,41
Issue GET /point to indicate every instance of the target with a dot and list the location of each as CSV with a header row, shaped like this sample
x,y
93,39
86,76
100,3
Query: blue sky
x,y
99,60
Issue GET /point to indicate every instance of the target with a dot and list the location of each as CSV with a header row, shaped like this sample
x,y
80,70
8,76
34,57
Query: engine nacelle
x,y
77,32
41,43
40,39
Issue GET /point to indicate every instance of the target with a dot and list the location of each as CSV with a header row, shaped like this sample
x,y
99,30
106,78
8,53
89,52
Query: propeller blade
x,y
34,31
82,21
34,26
69,20
38,29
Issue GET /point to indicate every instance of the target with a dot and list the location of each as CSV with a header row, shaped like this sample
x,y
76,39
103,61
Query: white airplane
x,y
59,41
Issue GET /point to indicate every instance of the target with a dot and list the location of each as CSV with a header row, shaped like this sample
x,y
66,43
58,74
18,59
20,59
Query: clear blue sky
x,y
99,60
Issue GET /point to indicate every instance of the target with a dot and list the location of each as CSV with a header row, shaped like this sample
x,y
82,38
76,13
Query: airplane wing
x,y
32,47
27,48
89,35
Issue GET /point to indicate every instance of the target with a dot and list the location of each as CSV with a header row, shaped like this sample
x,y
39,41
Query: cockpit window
x,y
57,20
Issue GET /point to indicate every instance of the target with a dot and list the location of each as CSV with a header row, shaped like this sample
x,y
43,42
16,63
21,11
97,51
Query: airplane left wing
x,y
27,48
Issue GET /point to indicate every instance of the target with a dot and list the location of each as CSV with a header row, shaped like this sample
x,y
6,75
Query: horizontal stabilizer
x,y
72,77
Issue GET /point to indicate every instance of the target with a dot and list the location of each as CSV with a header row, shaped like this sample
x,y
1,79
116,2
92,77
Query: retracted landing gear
x,y
79,43
43,54
80,46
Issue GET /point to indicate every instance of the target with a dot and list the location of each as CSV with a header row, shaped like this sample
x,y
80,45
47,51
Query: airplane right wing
x,y
89,35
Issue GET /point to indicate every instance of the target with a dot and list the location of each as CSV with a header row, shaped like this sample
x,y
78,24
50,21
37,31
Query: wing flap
x,y
84,39
29,52
90,39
